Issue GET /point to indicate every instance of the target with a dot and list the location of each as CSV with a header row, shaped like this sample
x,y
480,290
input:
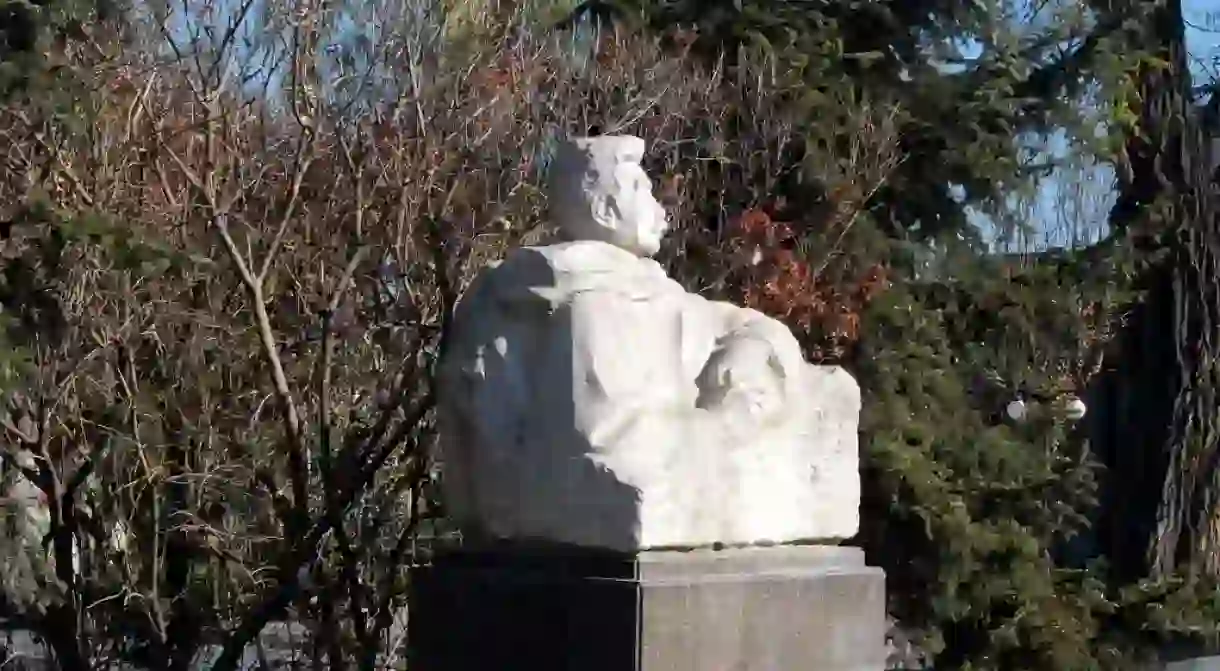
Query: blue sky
x,y
1203,39
1048,220
1203,29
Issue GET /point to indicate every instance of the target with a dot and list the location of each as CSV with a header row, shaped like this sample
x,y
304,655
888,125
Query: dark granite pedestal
x,y
809,608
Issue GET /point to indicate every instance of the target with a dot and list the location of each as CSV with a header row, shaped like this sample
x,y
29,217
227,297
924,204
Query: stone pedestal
x,y
809,608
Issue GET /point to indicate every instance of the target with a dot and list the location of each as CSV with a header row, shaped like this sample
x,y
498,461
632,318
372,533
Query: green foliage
x,y
974,84
19,36
33,37
982,523
983,526
975,507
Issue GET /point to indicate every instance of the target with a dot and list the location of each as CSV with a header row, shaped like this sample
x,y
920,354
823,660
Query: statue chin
x,y
645,245
587,399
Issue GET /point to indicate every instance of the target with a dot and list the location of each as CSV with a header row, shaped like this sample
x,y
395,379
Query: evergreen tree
x,y
983,525
964,118
1163,441
975,514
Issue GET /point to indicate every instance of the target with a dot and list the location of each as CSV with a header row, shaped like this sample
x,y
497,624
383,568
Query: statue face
x,y
600,192
641,220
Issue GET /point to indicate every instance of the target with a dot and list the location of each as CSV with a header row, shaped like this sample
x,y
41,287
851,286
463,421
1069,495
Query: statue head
x,y
599,191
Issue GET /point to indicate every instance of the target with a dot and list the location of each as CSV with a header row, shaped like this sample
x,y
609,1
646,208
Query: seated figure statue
x,y
588,399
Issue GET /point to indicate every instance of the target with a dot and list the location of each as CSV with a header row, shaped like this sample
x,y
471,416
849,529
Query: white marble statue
x,y
588,399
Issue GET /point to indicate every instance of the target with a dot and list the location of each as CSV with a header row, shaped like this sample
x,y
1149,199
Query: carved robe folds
x,y
588,399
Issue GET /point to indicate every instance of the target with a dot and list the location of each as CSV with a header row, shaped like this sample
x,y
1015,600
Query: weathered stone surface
x,y
587,398
1195,664
814,608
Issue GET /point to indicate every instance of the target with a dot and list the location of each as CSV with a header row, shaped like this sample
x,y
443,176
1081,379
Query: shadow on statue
x,y
520,457
498,604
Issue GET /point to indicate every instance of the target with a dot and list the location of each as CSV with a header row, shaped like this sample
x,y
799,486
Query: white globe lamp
x,y
1075,409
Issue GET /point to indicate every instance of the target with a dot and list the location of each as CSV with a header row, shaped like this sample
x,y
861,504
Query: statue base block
x,y
788,608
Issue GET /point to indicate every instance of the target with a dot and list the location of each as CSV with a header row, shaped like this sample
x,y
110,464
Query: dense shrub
x,y
231,242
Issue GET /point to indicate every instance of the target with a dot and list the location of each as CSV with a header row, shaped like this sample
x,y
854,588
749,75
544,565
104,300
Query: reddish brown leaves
x,y
771,277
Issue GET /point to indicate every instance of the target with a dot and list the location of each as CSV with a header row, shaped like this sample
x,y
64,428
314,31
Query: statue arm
x,y
746,324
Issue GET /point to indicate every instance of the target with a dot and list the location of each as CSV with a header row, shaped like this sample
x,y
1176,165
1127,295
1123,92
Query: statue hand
x,y
743,379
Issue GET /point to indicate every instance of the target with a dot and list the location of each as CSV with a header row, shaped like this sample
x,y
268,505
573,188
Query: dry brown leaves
x,y
772,278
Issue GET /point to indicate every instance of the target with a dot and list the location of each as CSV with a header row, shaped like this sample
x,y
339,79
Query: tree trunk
x,y
1162,447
